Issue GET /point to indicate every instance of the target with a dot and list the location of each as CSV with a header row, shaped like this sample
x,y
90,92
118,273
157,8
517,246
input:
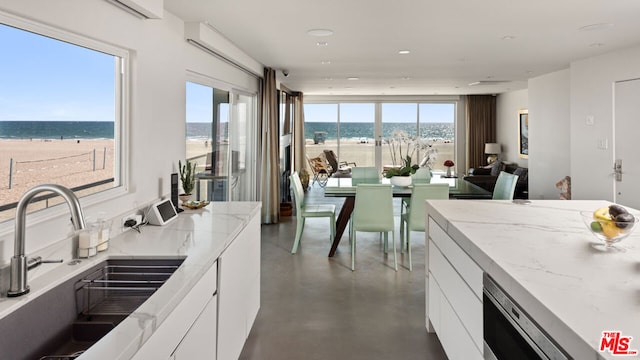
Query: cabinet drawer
x,y
455,340
466,306
463,264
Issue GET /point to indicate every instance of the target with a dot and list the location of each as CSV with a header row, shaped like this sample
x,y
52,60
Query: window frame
x,y
122,74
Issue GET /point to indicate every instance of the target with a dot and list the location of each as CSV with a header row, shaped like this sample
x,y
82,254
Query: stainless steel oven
x,y
509,333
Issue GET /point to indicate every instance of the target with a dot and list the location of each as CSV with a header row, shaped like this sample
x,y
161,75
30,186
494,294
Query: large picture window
x,y
60,113
351,130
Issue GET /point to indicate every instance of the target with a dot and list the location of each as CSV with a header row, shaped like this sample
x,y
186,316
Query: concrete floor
x,y
315,307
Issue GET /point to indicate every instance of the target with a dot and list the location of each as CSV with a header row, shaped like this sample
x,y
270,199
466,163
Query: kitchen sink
x,y
74,315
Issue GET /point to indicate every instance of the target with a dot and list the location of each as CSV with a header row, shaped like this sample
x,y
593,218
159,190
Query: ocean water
x,y
434,131
56,130
197,131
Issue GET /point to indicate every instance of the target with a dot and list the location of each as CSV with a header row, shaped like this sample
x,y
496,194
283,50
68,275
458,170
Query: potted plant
x,y
188,179
401,176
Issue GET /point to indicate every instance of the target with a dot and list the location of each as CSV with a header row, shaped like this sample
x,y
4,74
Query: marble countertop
x,y
543,256
198,236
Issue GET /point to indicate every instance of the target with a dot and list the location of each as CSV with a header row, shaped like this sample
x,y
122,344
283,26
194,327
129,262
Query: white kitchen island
x,y
205,310
541,254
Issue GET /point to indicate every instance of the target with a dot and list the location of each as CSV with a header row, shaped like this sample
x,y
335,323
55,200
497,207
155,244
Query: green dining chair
x,y
373,212
505,186
304,211
421,176
364,173
414,218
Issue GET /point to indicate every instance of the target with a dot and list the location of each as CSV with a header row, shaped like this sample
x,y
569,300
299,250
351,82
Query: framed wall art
x,y
523,134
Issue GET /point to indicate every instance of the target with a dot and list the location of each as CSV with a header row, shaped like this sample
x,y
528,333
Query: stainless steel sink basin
x,y
68,319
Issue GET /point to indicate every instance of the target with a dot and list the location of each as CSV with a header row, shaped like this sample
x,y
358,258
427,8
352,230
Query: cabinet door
x,y
167,336
200,340
232,294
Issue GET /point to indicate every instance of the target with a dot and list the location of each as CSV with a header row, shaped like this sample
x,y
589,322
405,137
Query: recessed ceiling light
x,y
595,45
320,32
595,27
353,78
404,52
327,78
405,78
322,43
508,37
325,62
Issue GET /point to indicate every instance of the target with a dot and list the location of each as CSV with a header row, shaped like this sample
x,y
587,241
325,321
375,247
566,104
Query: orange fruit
x,y
609,229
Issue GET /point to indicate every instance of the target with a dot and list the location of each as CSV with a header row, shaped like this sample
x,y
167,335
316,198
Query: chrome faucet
x,y
18,280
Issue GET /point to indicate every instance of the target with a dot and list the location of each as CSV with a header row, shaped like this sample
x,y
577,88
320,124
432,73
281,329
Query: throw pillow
x,y
497,167
523,174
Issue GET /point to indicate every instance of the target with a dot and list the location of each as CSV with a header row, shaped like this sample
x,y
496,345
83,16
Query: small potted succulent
x,y
188,179
402,176
449,164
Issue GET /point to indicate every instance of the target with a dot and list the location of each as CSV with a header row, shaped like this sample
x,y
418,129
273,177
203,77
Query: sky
x,y
199,106
50,80
391,112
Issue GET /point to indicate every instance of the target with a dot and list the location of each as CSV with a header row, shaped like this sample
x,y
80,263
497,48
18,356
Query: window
x,y
220,139
350,129
60,113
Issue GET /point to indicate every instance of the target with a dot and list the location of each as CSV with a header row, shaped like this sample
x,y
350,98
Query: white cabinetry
x,y
188,328
239,291
214,319
199,342
454,296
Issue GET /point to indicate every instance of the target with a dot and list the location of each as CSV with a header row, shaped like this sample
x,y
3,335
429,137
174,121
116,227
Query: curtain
x,y
269,166
481,127
299,141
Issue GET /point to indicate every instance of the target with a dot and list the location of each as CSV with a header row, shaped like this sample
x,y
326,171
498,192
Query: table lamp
x,y
492,149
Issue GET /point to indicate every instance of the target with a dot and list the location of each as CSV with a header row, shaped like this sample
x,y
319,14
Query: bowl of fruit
x,y
610,224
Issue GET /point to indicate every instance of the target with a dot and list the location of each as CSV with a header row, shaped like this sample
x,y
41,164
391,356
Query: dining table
x,y
346,188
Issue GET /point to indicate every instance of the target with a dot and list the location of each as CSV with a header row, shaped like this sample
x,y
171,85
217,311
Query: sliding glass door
x,y
363,132
220,139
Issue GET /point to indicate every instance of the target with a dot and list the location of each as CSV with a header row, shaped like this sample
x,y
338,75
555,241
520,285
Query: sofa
x,y
486,177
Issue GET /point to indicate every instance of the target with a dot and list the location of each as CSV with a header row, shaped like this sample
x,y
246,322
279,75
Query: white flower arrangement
x,y
402,145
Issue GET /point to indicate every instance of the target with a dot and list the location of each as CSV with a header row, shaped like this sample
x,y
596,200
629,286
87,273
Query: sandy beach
x,y
64,162
363,154
351,150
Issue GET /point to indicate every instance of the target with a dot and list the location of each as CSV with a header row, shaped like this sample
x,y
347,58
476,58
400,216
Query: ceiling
x,y
452,43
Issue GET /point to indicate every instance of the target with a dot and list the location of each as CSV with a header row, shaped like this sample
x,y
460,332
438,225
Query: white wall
x,y
592,83
160,60
549,133
507,107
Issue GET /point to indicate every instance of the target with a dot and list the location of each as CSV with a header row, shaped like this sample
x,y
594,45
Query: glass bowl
x,y
608,231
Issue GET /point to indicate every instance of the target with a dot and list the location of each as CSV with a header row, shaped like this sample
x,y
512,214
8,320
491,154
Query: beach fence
x,y
22,171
